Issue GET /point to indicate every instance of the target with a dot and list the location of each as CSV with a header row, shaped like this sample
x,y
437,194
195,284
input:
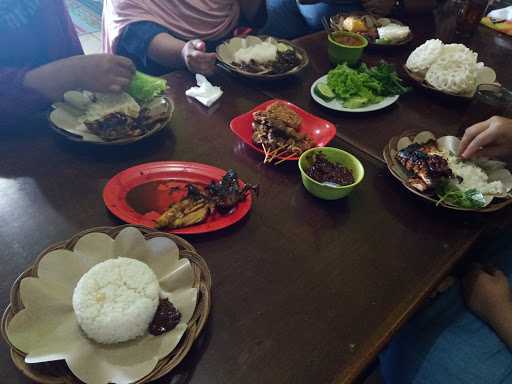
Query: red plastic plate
x,y
139,195
319,130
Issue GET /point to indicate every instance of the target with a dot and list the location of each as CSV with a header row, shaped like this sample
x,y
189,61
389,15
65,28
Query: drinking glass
x,y
469,16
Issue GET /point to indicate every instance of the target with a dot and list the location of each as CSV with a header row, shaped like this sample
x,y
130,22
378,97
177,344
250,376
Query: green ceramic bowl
x,y
340,53
328,192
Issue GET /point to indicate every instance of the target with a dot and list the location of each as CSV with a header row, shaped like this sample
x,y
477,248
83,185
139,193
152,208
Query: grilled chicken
x,y
199,203
425,164
191,210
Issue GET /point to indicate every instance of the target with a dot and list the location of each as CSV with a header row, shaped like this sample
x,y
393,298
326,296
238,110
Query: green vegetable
x,y
324,92
283,47
383,41
385,74
364,86
453,195
145,88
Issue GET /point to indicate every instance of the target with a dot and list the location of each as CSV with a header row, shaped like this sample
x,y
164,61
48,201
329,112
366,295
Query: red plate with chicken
x,y
179,197
281,130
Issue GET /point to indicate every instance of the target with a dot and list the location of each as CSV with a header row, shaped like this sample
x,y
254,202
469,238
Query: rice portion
x,y
474,177
116,300
261,53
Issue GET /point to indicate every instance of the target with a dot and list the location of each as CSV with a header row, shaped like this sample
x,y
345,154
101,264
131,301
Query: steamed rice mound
x,y
116,300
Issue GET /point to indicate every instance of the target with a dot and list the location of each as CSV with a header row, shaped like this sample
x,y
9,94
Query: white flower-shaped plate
x,y
45,328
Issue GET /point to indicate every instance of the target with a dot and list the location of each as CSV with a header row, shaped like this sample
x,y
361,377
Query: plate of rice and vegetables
x,y
262,57
449,69
361,89
118,305
379,31
431,168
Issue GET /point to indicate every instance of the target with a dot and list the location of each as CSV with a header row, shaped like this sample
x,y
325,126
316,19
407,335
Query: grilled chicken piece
x,y
417,183
425,164
184,213
193,209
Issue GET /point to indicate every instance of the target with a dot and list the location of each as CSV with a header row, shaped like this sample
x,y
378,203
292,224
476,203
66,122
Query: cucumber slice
x,y
324,92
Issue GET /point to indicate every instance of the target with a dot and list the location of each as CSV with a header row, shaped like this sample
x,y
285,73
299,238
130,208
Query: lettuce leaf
x,y
453,195
364,86
145,88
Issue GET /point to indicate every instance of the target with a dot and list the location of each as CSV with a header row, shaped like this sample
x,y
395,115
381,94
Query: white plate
x,y
337,105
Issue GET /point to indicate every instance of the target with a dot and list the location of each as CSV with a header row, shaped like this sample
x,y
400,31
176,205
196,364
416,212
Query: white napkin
x,y
205,92
502,14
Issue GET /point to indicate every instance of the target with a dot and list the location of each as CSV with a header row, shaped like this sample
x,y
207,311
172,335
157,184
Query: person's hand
x,y
379,7
196,59
103,72
490,138
487,293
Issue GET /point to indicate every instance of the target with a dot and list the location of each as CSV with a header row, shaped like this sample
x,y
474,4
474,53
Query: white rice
x,y
260,53
116,300
474,177
393,32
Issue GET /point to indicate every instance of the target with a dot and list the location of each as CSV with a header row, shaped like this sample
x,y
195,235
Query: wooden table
x,y
305,291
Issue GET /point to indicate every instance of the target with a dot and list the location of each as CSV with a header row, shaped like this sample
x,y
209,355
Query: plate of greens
x,y
361,89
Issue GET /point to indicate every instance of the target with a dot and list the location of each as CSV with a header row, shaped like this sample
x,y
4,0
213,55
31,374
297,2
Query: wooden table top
x,y
304,291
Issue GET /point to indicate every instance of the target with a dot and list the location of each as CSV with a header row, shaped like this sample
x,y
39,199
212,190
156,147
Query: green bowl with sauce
x,y
334,155
345,47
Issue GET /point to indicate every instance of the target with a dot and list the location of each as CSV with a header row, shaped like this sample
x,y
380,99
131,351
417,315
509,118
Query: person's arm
x,y
24,91
168,51
144,41
488,295
96,73
17,101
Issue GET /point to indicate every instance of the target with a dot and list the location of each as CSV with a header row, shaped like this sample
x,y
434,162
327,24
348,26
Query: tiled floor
x,y
91,42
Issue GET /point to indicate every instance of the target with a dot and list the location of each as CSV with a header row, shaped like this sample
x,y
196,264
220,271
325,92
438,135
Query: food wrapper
x,y
145,88
47,330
